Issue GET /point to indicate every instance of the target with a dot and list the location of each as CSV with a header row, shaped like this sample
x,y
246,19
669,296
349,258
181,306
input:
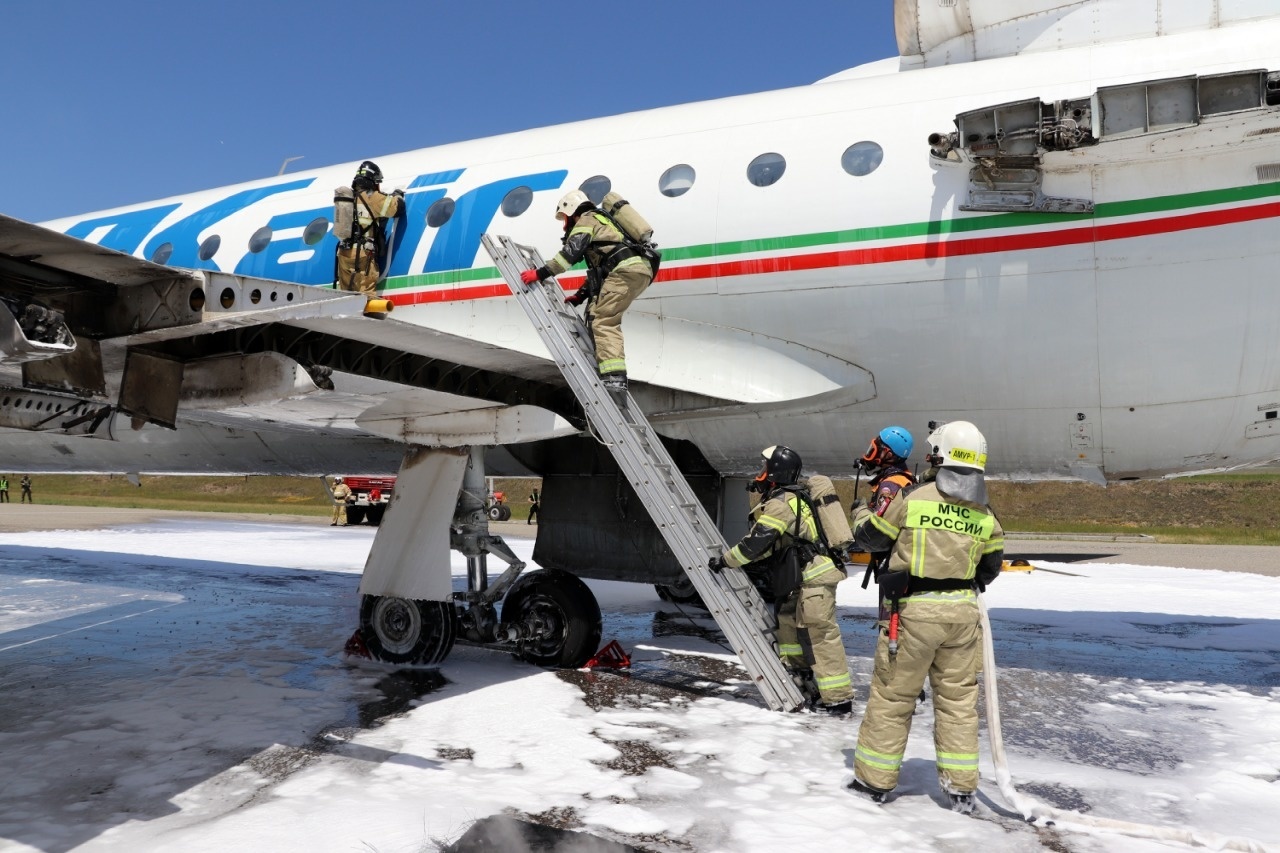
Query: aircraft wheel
x,y
559,616
403,630
681,592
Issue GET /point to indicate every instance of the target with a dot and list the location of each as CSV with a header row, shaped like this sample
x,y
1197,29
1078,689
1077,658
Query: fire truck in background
x,y
369,498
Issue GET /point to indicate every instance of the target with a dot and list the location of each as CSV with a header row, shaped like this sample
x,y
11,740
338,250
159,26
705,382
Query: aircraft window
x,y
677,180
766,169
162,253
209,247
862,158
596,187
315,231
260,240
517,201
439,213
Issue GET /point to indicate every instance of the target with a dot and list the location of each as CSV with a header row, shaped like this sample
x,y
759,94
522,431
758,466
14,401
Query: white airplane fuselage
x,y
1137,340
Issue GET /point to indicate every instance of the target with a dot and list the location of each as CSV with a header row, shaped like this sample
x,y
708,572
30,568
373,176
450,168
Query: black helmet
x,y
368,174
781,466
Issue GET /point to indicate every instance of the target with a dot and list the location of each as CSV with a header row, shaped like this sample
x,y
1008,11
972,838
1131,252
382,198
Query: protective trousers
x,y
619,290
357,271
949,654
809,636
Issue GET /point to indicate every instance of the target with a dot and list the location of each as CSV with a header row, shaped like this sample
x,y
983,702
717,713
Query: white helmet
x,y
569,205
337,479
957,444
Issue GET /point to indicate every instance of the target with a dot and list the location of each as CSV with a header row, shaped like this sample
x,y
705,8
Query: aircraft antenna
x,y
286,163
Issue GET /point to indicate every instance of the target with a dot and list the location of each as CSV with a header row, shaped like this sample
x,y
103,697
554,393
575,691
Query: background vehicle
x,y
369,498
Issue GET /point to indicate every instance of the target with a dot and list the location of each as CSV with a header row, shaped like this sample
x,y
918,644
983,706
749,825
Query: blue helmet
x,y
893,444
898,440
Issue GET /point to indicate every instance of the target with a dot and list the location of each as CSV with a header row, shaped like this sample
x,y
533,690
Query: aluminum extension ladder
x,y
693,537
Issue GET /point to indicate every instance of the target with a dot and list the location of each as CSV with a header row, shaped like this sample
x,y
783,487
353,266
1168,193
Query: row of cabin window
x,y
859,159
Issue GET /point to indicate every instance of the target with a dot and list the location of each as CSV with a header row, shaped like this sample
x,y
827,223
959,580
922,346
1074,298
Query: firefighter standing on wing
x,y
362,255
809,640
616,275
945,545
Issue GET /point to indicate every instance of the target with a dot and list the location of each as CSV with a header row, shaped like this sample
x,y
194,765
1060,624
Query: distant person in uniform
x,y
362,256
341,492
533,507
26,490
4,488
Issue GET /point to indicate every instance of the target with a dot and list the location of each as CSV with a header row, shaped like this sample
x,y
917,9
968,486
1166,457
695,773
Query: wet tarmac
x,y
199,635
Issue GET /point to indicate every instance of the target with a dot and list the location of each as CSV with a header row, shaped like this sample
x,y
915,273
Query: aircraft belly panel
x,y
755,363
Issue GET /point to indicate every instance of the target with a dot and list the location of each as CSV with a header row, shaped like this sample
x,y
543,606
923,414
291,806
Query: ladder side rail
x,y
681,519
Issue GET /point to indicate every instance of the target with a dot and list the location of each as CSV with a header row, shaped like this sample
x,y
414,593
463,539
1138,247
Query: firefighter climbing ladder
x,y
691,534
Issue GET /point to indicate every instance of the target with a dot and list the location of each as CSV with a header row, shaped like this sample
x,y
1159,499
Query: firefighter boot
x,y
862,789
616,385
962,803
803,679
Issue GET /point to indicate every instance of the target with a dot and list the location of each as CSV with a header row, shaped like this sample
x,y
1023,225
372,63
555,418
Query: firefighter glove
x,y
717,563
893,584
529,276
580,296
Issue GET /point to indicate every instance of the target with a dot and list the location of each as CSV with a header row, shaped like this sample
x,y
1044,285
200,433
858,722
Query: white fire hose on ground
x,y
1037,812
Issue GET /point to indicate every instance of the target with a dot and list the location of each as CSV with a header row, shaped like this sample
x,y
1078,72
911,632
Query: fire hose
x,y
1036,811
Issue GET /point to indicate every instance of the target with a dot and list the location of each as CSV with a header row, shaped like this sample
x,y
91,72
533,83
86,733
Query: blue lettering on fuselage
x,y
313,264
128,230
458,242
184,234
409,232
455,245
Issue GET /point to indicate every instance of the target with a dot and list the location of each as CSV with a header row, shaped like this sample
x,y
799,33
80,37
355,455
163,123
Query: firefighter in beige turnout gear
x,y
341,492
616,275
945,545
361,256
809,639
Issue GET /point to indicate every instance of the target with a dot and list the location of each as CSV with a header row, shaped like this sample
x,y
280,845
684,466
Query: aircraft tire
x,y
403,630
681,592
564,611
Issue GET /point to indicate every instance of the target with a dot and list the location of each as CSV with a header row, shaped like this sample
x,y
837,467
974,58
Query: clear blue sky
x,y
112,103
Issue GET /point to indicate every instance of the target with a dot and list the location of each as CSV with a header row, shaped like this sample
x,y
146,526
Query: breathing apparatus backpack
x,y
637,233
832,520
344,212
629,220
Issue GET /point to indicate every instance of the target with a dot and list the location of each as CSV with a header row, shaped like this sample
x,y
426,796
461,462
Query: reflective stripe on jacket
x,y
930,535
774,527
592,237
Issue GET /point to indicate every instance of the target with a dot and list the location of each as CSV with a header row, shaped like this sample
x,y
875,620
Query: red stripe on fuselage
x,y
907,252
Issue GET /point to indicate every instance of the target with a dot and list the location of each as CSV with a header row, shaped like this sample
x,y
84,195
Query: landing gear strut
x,y
548,617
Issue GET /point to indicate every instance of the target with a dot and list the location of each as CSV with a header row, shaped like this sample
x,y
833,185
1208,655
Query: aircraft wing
x,y
98,344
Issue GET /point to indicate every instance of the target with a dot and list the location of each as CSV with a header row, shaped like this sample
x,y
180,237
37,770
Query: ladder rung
x,y
679,516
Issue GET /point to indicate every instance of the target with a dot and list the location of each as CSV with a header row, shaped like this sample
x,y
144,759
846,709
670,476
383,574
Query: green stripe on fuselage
x,y
932,228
